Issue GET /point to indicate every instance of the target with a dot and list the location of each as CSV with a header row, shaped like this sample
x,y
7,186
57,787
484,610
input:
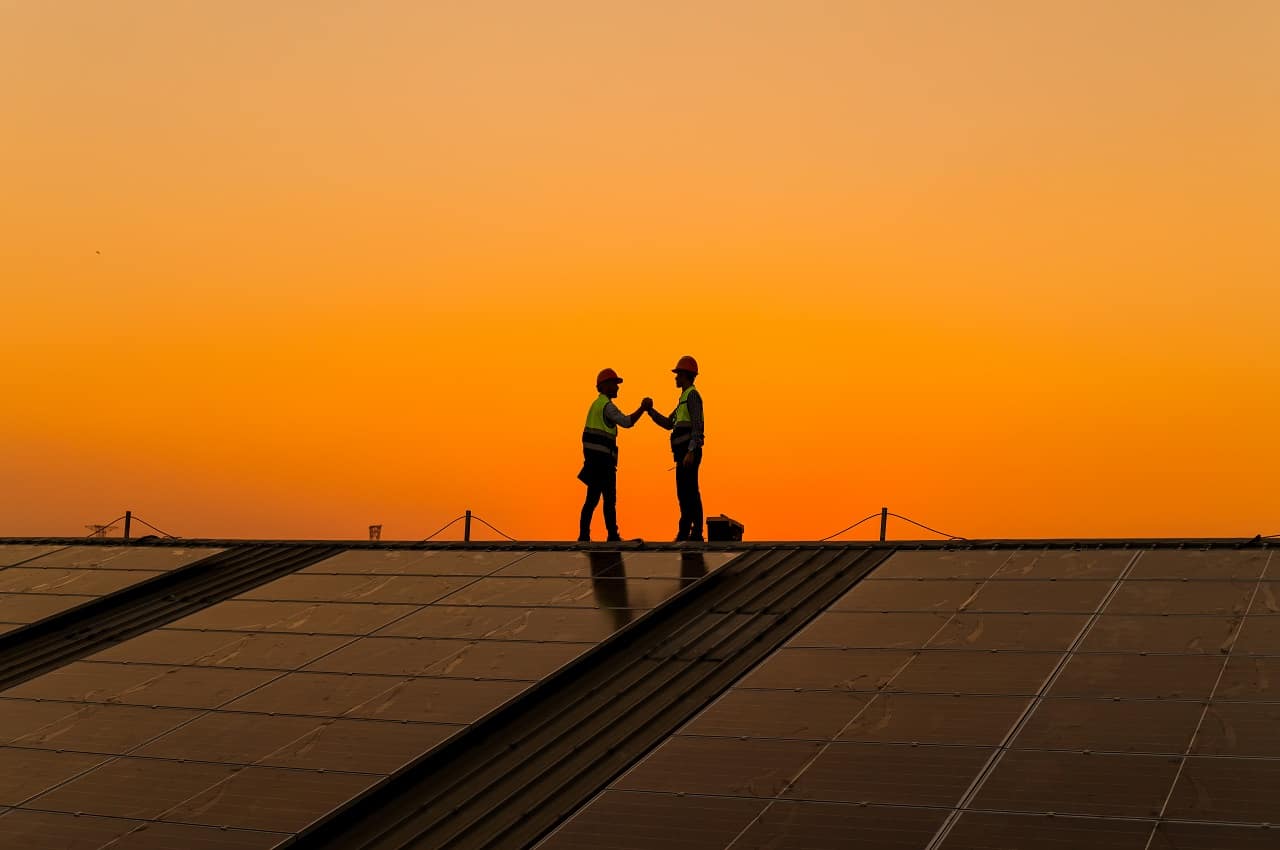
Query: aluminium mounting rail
x,y
521,771
46,644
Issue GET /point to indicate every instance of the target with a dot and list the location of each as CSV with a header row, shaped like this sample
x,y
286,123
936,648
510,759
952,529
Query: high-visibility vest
x,y
682,427
599,437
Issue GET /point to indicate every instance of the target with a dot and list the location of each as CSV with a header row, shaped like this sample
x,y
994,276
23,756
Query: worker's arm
x,y
695,414
616,417
667,422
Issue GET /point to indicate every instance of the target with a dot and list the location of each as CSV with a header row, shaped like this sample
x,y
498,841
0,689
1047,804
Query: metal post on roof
x,y
128,520
884,522
466,528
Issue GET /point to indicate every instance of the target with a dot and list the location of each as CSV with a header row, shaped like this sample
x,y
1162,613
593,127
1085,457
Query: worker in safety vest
x,y
686,426
600,453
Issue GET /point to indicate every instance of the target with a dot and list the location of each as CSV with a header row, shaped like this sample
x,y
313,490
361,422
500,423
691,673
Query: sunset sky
x,y
284,269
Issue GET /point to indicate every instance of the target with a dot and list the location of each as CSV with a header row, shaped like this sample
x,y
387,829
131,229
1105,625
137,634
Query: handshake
x,y
646,404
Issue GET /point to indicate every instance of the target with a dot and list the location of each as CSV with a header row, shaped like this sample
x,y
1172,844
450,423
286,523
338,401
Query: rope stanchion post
x,y
466,528
884,523
128,521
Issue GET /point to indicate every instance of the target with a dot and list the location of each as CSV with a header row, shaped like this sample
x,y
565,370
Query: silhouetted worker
x,y
600,454
686,426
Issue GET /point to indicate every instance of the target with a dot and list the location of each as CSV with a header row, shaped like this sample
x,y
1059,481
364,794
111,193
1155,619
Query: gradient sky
x,y
1010,268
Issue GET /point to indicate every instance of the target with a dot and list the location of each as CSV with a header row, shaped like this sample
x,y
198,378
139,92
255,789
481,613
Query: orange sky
x,y
1009,268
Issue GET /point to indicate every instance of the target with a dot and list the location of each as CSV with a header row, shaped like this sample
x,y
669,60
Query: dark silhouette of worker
x,y
600,454
686,426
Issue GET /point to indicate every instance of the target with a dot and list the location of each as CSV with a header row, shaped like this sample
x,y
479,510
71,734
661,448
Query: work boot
x,y
614,537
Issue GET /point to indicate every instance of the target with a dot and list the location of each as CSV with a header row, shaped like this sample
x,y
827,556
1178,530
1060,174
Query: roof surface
x,y
1003,694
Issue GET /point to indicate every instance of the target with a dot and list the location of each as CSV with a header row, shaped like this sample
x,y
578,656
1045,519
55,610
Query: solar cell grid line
x,y
1182,763
975,787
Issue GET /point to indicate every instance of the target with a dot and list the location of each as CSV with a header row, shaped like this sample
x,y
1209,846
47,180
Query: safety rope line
x,y
442,528
153,528
498,530
927,528
897,516
850,528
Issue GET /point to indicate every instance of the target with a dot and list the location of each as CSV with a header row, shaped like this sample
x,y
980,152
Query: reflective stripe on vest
x,y
598,435
682,428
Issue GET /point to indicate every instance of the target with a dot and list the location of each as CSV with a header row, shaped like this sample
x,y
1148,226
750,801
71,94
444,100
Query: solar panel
x,y
900,774
779,714
962,719
32,830
1106,698
1182,597
987,831
43,581
799,825
575,625
406,590
11,554
1023,595
1111,725
864,629
266,711
622,820
1245,729
1194,635
1082,783
908,595
1138,676
828,669
935,564
609,564
1171,835
431,562
1037,632
1065,564
334,618
85,727
755,767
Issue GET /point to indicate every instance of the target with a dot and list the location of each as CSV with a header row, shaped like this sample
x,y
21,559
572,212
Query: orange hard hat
x,y
686,364
607,375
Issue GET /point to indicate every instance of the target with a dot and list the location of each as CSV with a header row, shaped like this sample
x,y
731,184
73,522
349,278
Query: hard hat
x,y
686,364
607,375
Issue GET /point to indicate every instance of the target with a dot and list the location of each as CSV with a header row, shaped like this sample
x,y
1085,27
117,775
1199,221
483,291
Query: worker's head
x,y
607,382
686,372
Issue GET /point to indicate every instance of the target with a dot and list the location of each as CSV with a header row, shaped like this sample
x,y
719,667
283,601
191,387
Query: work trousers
x,y
601,484
689,496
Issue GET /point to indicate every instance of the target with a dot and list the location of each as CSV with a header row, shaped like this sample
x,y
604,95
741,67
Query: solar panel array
x,y
988,700
254,718
40,581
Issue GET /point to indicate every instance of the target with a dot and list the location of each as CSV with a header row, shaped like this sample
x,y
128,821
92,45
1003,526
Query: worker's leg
x,y
682,530
690,498
695,498
594,492
610,492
